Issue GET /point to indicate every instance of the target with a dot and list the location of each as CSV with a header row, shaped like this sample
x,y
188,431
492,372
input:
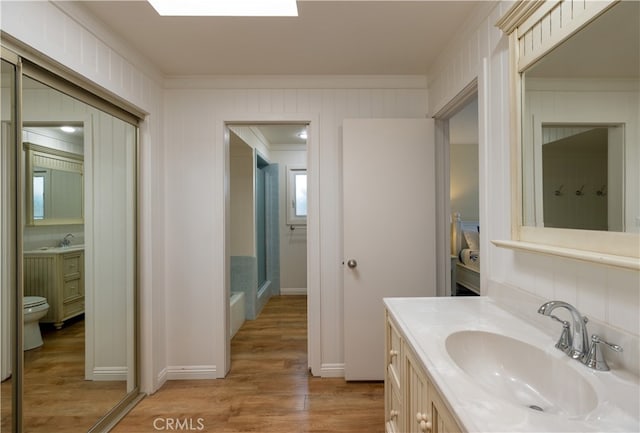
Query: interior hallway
x,y
269,388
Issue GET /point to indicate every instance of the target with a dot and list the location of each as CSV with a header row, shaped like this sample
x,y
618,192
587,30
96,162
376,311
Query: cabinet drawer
x,y
72,308
72,289
71,265
393,354
393,413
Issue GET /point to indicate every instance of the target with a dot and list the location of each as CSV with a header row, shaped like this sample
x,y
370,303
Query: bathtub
x,y
236,311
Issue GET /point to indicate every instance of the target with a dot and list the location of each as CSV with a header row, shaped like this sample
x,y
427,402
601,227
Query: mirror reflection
x,y
55,161
79,261
7,243
580,132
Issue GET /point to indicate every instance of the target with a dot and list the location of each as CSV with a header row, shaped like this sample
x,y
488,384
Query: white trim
x,y
297,82
191,372
110,373
288,291
332,370
443,208
484,146
571,253
161,378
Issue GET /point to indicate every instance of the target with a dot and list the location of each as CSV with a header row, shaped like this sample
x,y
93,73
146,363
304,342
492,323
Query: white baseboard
x,y
161,379
332,370
293,291
101,374
191,372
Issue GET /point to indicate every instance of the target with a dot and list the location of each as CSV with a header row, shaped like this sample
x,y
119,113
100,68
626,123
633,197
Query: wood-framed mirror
x,y
54,185
575,128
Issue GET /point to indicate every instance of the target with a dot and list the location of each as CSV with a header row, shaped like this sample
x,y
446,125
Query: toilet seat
x,y
33,301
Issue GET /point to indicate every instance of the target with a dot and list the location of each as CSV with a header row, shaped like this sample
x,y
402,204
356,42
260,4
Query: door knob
x,y
352,263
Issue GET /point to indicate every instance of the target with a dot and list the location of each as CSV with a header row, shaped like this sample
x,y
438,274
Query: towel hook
x,y
558,191
579,191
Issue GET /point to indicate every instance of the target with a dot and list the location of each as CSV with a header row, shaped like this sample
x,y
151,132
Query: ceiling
x,y
328,37
284,134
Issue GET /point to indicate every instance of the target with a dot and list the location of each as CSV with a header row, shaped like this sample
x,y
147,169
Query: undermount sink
x,y
521,373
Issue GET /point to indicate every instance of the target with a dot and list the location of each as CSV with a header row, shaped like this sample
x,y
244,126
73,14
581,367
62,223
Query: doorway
x,y
459,147
267,250
464,200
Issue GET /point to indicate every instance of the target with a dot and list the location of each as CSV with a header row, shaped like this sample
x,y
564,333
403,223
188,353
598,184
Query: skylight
x,y
228,8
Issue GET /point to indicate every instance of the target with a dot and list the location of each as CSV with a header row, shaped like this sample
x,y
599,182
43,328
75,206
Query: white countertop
x,y
56,250
427,322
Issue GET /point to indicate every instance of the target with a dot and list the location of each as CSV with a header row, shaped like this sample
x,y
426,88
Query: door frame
x,y
478,86
313,228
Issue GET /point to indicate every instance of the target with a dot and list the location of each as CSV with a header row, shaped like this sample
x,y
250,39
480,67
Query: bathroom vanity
x,y
56,274
467,365
412,402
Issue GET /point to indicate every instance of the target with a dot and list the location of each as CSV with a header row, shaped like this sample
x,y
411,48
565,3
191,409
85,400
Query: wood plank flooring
x,y
269,388
56,396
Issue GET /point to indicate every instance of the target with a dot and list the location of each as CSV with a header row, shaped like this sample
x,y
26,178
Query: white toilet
x,y
34,308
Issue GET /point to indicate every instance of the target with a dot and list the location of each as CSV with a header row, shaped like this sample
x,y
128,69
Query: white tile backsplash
x,y
50,236
525,304
623,305
564,284
591,284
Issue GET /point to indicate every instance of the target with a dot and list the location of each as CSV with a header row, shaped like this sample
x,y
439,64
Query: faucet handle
x,y
565,341
595,357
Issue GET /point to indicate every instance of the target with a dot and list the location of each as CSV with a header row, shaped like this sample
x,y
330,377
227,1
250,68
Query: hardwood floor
x,y
56,396
269,388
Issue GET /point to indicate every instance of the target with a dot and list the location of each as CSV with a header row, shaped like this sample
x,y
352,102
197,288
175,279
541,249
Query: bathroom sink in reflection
x,y
521,373
53,250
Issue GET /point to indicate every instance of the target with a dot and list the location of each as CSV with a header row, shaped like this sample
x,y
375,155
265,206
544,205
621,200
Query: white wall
x,y
608,296
576,101
66,34
464,180
195,111
180,289
243,231
293,243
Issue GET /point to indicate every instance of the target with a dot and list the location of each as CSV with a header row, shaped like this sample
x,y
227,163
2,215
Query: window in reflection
x,y
38,194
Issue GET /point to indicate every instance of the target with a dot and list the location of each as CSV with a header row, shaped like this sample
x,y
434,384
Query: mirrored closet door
x,y
8,228
76,172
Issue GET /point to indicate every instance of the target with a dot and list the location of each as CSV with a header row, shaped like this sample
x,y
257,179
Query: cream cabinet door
x,y
418,403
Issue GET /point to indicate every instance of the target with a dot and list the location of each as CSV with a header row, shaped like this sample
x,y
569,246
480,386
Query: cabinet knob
x,y
393,414
393,353
425,426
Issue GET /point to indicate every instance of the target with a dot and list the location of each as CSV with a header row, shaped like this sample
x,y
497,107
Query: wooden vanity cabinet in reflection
x,y
59,277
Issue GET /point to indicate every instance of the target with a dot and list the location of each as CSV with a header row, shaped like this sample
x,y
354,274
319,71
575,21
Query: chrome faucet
x,y
66,241
575,344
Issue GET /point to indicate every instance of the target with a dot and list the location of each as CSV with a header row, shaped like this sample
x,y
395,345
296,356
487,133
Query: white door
x,y
389,229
